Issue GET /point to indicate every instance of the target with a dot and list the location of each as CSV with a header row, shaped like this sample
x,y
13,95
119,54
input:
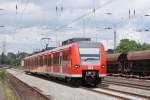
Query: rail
x,y
118,94
25,91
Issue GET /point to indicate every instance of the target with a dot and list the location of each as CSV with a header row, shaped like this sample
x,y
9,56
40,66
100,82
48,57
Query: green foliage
x,y
127,45
2,74
110,51
12,59
9,95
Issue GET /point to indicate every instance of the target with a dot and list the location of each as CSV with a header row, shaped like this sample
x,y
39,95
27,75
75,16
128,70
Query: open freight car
x,y
139,63
133,64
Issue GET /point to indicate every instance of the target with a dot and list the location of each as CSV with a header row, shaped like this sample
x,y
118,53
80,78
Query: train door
x,y
65,62
45,62
56,62
52,64
48,64
60,62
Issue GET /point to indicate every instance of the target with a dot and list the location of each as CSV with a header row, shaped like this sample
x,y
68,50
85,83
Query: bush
x,y
2,74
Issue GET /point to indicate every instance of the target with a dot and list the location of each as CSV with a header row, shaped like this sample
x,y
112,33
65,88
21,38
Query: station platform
x,y
57,91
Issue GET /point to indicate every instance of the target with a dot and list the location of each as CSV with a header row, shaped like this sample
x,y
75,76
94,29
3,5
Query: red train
x,y
76,62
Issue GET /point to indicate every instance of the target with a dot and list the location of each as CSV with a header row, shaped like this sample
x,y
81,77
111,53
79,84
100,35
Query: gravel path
x,y
1,92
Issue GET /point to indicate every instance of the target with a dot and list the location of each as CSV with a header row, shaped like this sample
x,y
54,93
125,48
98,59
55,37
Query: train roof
x,y
93,44
68,41
48,51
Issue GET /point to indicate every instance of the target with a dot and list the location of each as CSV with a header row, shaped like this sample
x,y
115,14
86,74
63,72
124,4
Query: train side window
x,y
36,61
56,59
65,58
49,60
60,59
40,61
45,60
24,62
28,62
31,61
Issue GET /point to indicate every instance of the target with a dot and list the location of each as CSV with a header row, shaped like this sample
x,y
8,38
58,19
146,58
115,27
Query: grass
x,y
2,74
8,93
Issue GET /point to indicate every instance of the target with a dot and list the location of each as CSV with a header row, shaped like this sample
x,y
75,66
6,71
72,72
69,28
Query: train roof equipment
x,y
69,41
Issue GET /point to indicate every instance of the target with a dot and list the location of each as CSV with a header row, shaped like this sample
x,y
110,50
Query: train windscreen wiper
x,y
90,59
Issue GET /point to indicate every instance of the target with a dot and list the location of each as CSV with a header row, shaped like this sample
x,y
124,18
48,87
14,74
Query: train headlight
x,y
77,66
102,66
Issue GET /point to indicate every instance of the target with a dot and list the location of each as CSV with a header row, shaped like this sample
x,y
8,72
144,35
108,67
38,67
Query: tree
x,y
110,51
145,46
127,45
3,59
19,56
11,58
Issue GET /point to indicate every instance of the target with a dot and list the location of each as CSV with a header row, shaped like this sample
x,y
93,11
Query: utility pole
x,y
83,27
46,42
114,36
4,47
115,39
3,57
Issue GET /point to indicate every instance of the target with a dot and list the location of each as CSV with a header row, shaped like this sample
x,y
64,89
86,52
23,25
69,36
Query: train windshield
x,y
89,56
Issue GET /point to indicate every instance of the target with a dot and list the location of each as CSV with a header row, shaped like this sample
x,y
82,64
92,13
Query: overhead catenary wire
x,y
84,15
24,9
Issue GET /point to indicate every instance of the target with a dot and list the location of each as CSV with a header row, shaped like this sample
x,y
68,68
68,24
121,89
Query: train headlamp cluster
x,y
102,66
77,66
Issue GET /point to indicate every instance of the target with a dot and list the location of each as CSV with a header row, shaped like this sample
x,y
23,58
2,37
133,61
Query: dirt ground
x,y
1,92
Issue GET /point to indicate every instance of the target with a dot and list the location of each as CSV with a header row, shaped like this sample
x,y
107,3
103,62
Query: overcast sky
x,y
63,19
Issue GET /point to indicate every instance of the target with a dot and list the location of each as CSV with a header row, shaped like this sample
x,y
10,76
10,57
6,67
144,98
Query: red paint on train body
x,y
76,60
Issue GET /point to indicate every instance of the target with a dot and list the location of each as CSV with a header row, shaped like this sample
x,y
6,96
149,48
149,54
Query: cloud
x,y
37,19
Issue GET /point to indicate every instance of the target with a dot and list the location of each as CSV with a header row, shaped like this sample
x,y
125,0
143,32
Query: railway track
x,y
24,91
139,84
118,94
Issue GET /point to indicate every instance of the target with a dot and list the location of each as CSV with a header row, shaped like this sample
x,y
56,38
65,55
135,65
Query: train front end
x,y
89,62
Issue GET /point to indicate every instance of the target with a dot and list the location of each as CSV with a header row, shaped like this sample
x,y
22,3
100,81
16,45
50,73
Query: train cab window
x,y
89,56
